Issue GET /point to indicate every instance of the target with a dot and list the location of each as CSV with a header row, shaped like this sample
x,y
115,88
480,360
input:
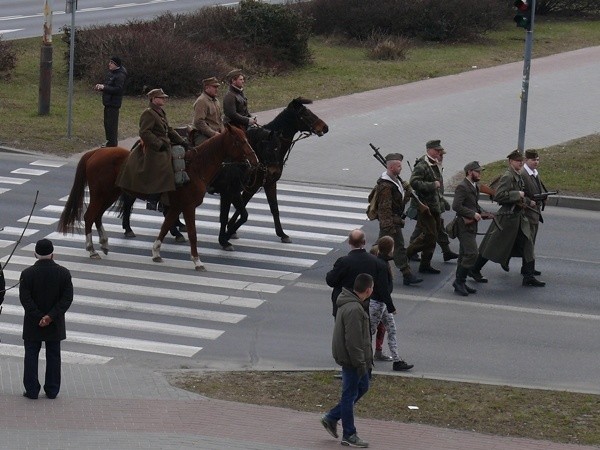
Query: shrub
x,y
8,59
387,48
591,7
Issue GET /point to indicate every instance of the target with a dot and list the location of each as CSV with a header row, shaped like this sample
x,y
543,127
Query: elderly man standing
x,y
208,116
46,293
428,183
392,196
235,103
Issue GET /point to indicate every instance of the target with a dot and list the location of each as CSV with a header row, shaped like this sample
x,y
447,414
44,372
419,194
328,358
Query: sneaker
x,y
354,441
379,356
402,365
330,426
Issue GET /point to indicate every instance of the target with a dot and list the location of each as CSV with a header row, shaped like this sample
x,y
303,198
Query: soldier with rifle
x,y
392,196
510,235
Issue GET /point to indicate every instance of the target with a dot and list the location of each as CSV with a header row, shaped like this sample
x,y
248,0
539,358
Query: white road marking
x,y
8,180
66,357
26,171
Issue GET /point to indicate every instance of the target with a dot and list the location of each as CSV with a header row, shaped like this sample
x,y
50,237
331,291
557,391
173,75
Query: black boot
x,y
448,254
409,278
459,283
461,275
528,278
475,271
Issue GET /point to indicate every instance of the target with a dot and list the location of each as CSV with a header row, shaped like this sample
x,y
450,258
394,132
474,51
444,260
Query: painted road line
x,y
3,190
129,324
14,231
26,171
159,293
46,163
66,357
38,220
7,180
305,189
101,340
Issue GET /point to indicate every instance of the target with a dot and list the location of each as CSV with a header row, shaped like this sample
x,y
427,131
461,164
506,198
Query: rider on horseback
x,y
208,118
149,169
235,103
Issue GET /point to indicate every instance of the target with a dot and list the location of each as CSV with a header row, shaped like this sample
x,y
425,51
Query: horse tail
x,y
71,215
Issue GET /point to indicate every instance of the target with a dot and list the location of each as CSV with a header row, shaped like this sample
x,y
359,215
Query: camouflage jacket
x,y
391,203
423,181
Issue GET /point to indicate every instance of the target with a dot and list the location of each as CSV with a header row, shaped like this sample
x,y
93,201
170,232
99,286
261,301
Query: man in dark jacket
x,y
46,293
112,97
235,103
351,349
358,260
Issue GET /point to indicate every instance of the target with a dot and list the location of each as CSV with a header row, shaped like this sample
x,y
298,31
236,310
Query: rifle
x,y
423,208
543,197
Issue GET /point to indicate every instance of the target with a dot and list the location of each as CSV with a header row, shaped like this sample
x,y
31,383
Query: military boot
x,y
459,285
475,271
409,278
528,278
449,255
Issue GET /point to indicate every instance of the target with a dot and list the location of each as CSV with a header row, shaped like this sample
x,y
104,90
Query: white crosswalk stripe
x,y
127,302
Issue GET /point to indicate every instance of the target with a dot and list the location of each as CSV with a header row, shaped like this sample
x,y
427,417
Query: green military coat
x,y
497,245
423,181
149,169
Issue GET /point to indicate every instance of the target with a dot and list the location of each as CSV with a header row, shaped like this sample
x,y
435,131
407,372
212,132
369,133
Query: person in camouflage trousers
x,y
392,196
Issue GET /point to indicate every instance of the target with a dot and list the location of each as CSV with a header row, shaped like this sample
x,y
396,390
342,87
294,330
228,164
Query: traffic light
x,y
523,17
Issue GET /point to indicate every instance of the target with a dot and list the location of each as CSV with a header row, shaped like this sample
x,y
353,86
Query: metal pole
x,y
71,68
525,82
45,63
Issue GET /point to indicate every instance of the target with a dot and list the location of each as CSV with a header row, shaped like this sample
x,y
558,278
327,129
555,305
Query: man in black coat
x,y
46,293
112,97
357,261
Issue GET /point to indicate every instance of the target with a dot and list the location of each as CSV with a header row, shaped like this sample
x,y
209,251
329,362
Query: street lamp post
x,y
526,21
46,63
71,7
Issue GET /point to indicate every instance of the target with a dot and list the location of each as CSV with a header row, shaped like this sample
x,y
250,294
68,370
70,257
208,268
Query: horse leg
x,y
169,219
240,208
128,202
224,235
271,193
90,217
103,236
189,216
174,230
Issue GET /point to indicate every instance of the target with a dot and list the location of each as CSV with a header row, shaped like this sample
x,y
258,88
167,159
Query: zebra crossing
x,y
125,305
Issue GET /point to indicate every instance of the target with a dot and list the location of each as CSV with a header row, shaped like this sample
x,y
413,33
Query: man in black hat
x,y
46,293
510,234
392,196
468,215
112,97
235,103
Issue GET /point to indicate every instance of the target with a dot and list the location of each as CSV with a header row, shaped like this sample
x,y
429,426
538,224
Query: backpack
x,y
372,207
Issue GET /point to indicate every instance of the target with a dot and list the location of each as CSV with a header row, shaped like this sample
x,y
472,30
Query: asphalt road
x,y
266,305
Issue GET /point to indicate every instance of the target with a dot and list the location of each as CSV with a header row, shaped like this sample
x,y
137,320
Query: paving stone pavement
x,y
125,407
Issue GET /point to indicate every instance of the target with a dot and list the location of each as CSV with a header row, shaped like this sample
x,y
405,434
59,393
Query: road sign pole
x,y
525,82
72,5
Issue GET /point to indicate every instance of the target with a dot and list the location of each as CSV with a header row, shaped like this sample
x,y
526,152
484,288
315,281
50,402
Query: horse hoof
x,y
200,269
157,259
95,256
286,240
234,236
179,238
105,251
129,234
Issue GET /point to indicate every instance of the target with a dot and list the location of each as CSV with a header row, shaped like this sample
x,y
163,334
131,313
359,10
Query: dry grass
x,y
501,410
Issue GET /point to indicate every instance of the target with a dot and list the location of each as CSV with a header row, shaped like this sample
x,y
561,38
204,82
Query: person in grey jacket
x,y
351,349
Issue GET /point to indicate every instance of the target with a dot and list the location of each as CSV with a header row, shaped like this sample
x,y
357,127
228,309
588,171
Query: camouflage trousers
x,y
378,313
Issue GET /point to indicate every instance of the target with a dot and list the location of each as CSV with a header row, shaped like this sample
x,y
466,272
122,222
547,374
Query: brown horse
x,y
99,170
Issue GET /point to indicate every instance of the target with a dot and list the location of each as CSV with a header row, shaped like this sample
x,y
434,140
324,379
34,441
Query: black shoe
x,y
429,269
537,273
411,279
28,395
476,275
469,289
51,396
399,366
505,267
330,426
415,257
460,288
449,256
532,281
129,234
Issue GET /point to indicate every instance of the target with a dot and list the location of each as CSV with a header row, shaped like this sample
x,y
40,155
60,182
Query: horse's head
x,y
307,120
239,149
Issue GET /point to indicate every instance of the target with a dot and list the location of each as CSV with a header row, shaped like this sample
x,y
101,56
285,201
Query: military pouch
x,y
178,157
452,228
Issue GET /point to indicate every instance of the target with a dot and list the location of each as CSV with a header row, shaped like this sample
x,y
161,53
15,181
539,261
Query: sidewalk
x,y
129,408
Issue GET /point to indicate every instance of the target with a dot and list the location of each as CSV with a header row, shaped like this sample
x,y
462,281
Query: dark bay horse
x,y
99,170
296,117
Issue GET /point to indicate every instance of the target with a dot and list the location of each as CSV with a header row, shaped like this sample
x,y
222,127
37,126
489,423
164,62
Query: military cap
x,y
212,81
155,93
435,144
531,154
515,155
44,247
233,74
394,157
474,165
